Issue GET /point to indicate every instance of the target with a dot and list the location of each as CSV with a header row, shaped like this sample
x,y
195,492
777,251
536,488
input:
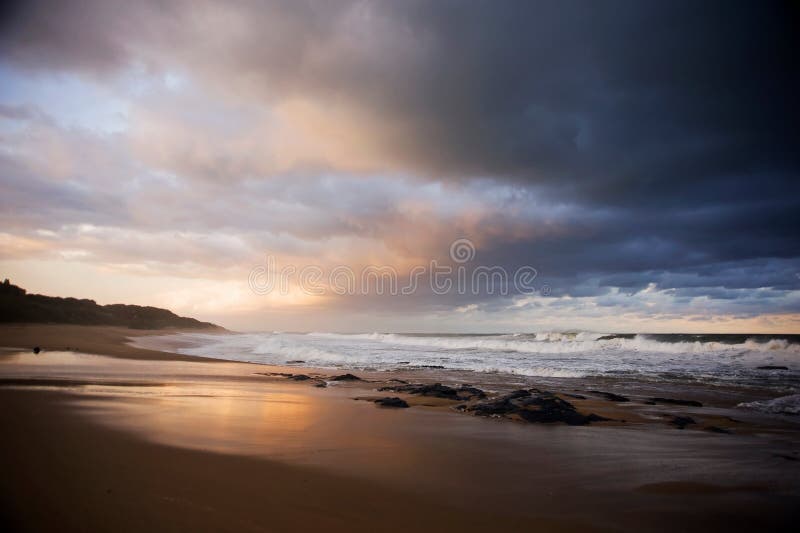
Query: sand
x,y
112,437
106,340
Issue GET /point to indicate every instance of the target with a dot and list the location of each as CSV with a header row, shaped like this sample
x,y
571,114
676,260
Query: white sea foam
x,y
785,405
544,354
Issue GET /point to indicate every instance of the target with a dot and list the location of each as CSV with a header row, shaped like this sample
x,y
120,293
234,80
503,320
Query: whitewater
x,y
731,360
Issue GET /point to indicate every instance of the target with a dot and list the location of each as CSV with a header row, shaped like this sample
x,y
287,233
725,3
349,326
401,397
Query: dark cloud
x,y
666,130
627,102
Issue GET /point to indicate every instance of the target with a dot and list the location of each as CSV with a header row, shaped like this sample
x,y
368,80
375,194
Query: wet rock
x,y
295,362
542,407
321,384
430,366
673,401
681,422
715,429
392,402
772,367
466,392
502,405
346,377
574,396
36,349
785,456
553,409
610,396
299,377
437,390
282,374
520,393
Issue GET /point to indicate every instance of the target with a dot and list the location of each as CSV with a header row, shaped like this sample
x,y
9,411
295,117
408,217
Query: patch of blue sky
x,y
70,100
75,101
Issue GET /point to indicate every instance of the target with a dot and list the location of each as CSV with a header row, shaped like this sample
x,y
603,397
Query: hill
x,y
16,305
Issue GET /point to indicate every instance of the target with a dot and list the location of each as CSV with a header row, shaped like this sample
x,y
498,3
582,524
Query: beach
x,y
99,433
378,266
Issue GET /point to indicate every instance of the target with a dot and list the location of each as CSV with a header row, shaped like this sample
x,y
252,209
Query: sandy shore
x,y
150,439
104,340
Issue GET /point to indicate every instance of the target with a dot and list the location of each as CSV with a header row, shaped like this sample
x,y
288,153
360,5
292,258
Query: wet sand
x,y
150,440
106,340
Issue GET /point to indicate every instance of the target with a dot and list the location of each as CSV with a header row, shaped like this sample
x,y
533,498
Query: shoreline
x,y
112,341
427,466
621,402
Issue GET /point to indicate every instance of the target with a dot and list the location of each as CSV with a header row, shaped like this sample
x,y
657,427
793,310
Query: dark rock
x,y
321,384
470,393
395,380
785,456
36,349
295,362
772,367
610,396
715,429
539,408
502,405
672,401
430,366
617,336
299,377
283,374
437,390
682,421
391,402
575,396
545,409
346,377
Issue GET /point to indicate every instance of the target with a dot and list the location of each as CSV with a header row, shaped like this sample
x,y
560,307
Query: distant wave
x,y
557,342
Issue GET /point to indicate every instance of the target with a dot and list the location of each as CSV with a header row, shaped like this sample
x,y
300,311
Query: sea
x,y
765,362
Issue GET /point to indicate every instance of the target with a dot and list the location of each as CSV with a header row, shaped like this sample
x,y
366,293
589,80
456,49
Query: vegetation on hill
x,y
16,305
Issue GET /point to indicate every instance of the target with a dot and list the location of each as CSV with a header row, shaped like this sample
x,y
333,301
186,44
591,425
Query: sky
x,y
638,159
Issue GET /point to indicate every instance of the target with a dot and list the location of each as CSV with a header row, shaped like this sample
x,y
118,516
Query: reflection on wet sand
x,y
461,460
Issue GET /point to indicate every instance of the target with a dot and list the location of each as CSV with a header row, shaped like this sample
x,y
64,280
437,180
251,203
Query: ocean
x,y
717,360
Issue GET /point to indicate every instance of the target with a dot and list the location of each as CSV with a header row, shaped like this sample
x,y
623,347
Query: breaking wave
x,y
726,359
785,405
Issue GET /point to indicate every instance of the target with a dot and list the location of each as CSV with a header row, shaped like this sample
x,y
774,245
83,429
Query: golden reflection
x,y
228,417
223,407
289,411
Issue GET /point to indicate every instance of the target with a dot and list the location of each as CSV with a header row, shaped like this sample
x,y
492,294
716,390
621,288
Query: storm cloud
x,y
618,147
